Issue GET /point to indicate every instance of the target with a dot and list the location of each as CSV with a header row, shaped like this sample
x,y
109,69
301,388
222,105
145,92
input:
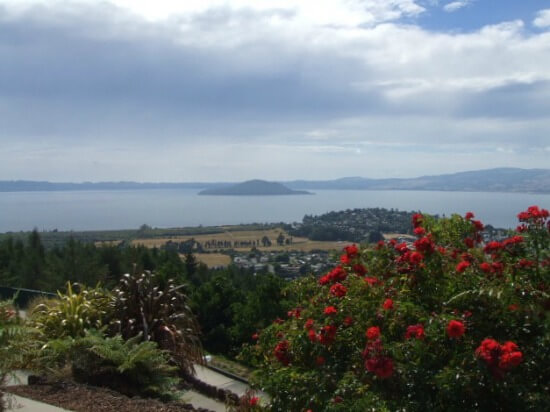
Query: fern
x,y
131,367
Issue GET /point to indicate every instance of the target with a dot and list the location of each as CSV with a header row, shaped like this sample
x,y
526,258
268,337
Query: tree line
x,y
231,304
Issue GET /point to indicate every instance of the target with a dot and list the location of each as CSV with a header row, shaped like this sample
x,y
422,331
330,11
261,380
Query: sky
x,y
230,90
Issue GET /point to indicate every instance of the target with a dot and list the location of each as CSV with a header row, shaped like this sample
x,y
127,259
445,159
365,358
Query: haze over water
x,y
107,210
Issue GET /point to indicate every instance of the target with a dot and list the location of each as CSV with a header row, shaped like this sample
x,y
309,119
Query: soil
x,y
85,398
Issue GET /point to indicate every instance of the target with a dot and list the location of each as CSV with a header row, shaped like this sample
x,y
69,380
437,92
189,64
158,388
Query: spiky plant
x,y
157,309
76,310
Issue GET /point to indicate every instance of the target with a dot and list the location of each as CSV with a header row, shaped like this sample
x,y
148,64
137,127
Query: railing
x,y
22,295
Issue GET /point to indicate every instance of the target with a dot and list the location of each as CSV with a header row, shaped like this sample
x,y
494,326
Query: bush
x,y
447,323
156,309
75,311
130,367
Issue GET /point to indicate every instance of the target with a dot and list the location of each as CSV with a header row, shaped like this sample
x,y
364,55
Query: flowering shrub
x,y
447,322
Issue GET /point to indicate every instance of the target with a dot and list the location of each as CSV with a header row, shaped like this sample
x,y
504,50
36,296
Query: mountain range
x,y
490,180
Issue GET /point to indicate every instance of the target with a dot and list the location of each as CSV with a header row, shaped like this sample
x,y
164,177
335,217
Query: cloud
x,y
543,19
456,5
171,96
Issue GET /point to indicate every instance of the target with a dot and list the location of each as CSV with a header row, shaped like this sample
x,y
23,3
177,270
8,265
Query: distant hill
x,y
254,188
490,180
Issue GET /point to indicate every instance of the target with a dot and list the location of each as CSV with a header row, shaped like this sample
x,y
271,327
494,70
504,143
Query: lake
x,y
102,210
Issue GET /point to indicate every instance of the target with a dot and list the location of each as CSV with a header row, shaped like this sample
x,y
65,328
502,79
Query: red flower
x,y
497,267
492,247
485,267
351,250
359,269
415,331
469,216
499,358
281,352
462,266
469,242
309,324
401,248
417,220
372,333
489,351
478,226
337,399
337,274
296,313
327,335
382,366
320,360
514,240
331,310
348,321
510,360
388,304
455,329
521,228
312,336
533,213
253,401
338,290
509,347
372,281
255,336
419,231
424,244
513,307
415,258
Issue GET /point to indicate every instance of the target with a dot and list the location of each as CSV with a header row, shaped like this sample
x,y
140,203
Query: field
x,y
212,260
244,240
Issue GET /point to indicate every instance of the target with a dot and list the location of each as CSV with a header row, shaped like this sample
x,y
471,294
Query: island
x,y
253,188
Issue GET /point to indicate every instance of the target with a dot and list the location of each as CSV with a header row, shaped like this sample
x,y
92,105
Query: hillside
x,y
253,188
490,180
354,225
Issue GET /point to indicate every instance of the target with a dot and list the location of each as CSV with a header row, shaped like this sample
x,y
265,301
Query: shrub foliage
x,y
73,312
156,309
130,367
447,323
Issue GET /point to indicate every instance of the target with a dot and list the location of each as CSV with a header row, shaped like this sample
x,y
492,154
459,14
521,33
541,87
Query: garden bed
x,y
86,398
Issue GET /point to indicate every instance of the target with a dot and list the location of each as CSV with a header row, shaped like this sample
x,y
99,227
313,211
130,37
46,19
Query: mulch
x,y
85,398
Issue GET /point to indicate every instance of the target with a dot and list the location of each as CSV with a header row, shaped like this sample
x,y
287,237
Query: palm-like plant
x,y
157,309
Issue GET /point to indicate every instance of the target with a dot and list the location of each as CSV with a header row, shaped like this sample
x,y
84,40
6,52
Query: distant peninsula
x,y
253,188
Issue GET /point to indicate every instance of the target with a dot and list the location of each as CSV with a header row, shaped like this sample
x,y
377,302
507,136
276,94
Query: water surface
x,y
102,210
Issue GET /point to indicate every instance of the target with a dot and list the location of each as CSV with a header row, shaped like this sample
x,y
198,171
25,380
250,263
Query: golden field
x,y
298,243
